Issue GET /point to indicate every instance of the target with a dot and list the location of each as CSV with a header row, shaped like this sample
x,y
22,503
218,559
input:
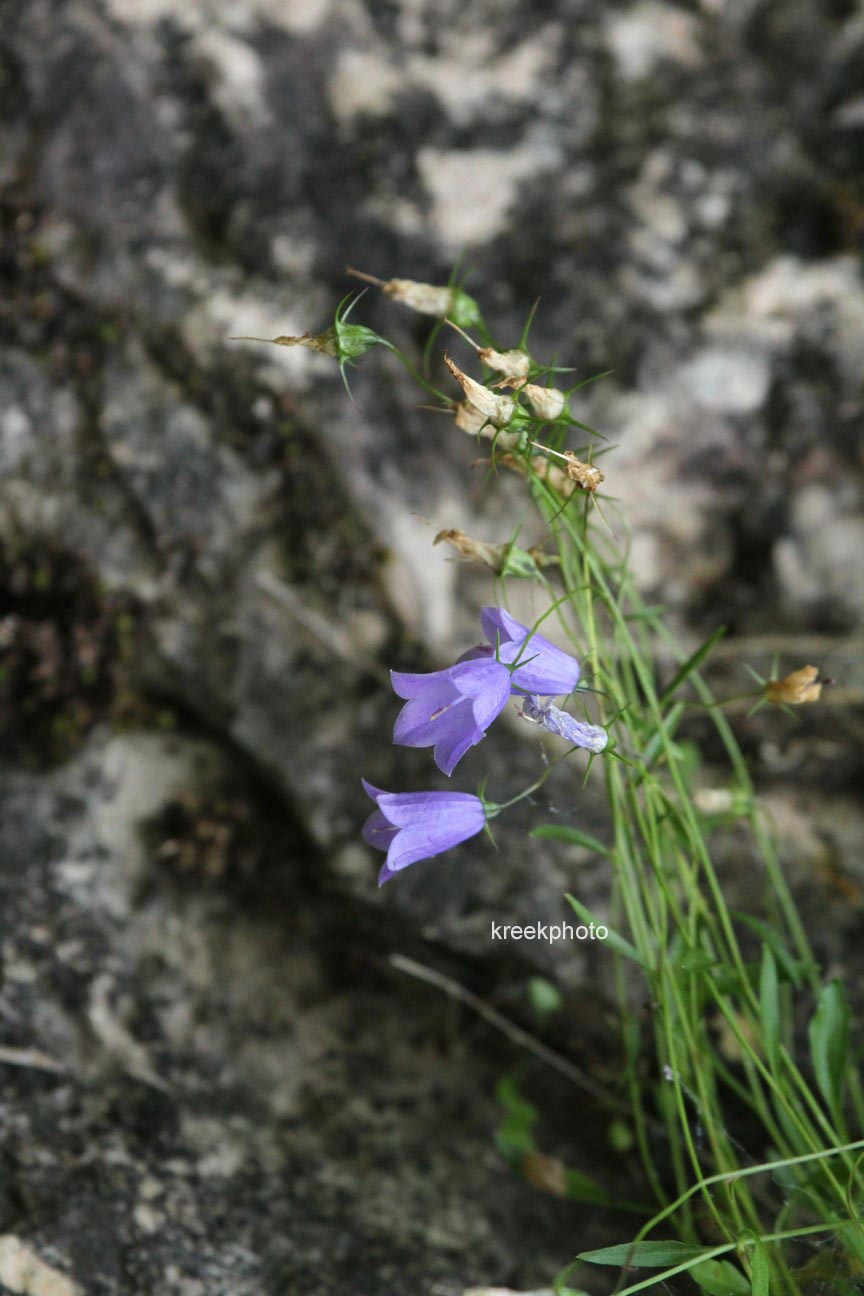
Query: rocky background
x,y
212,1081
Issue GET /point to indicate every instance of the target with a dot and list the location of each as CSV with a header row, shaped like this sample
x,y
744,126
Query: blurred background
x,y
212,1080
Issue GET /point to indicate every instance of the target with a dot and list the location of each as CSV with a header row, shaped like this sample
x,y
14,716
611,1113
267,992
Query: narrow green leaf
x,y
720,1278
580,1187
644,1255
791,968
695,960
574,836
515,1134
829,1045
655,742
613,940
760,1272
769,1005
690,665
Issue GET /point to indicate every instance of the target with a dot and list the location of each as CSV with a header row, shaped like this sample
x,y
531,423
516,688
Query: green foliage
x,y
644,1255
720,1278
546,998
828,1034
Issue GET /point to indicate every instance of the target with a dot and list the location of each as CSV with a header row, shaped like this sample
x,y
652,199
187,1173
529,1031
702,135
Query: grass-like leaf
x,y
829,1046
644,1255
690,665
613,940
573,837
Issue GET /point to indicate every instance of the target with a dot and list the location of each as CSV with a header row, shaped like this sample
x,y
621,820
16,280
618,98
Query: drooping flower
x,y
412,826
578,732
540,667
450,710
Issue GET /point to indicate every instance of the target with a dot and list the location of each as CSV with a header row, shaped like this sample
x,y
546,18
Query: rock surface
x,y
209,557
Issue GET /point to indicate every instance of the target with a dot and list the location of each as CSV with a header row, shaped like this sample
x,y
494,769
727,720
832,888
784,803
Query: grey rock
x,y
683,190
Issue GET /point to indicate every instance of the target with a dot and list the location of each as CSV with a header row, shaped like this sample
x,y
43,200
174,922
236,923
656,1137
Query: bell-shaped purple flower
x,y
451,709
540,666
578,732
412,826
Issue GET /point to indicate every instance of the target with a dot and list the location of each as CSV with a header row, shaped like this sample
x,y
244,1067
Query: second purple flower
x,y
450,710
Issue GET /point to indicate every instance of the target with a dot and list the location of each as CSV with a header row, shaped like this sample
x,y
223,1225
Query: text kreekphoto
x,y
550,932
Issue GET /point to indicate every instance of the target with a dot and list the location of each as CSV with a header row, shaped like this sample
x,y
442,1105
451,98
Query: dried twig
x,y
513,1032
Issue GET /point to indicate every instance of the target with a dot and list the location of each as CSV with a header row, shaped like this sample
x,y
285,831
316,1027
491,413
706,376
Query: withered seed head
x,y
478,550
497,409
469,418
514,364
546,402
326,343
427,299
586,476
797,689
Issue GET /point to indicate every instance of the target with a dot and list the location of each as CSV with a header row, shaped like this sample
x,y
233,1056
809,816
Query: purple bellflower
x,y
539,666
592,737
451,709
412,826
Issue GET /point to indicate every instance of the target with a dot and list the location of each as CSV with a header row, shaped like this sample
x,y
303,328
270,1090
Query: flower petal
x,y
435,828
499,626
491,702
412,686
453,745
378,831
371,790
421,824
404,809
542,668
450,710
477,675
423,722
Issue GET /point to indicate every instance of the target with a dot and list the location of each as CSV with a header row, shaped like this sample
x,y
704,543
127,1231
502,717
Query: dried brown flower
x,y
797,689
497,409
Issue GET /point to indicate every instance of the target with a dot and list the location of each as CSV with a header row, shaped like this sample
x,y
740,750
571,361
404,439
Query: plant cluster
x,y
734,1219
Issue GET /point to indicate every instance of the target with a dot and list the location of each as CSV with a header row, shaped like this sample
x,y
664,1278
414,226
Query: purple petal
x,y
489,703
404,809
453,745
481,652
432,822
412,686
378,831
371,791
423,722
499,626
420,824
542,668
477,676
450,710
